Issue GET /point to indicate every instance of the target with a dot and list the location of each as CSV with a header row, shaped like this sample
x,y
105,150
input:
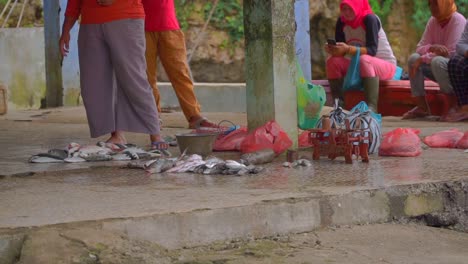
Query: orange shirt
x,y
93,13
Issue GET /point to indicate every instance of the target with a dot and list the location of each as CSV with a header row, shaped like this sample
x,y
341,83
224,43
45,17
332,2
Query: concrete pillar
x,y
270,64
301,10
54,87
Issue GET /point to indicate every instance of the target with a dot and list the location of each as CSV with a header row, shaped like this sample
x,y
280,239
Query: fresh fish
x,y
187,163
96,157
58,153
91,149
301,162
73,148
255,169
161,165
160,152
74,159
213,161
217,169
137,164
43,159
121,156
258,157
139,153
188,166
234,165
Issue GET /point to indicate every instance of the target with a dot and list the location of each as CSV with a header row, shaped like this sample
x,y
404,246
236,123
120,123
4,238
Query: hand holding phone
x,y
331,42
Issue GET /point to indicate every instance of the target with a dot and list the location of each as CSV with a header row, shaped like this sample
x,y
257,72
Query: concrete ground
x,y
186,210
368,244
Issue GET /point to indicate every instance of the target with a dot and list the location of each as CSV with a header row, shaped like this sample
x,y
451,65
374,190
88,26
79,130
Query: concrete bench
x,y
394,98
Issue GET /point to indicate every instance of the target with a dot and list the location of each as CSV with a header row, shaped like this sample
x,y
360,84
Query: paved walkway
x,y
44,194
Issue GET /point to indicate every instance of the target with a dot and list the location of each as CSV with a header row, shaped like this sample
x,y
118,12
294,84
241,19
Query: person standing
x,y
433,51
111,45
165,40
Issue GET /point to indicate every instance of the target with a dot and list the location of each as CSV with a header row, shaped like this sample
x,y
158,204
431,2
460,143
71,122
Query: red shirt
x,y
160,15
93,13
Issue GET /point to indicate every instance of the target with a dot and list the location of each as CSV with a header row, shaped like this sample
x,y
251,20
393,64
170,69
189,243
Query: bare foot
x,y
117,137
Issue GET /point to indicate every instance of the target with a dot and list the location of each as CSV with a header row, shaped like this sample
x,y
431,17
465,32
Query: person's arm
x,y
339,33
372,24
71,16
426,39
456,29
462,45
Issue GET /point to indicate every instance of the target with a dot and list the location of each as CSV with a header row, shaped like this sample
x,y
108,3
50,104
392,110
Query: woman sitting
x,y
437,44
458,73
359,28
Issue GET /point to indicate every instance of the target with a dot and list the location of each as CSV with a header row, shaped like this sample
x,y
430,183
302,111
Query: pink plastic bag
x,y
444,139
401,142
304,139
463,142
231,141
270,135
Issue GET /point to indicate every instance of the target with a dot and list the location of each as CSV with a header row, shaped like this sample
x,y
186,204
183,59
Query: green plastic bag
x,y
310,101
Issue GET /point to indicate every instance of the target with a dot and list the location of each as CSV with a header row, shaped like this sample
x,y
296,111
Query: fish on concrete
x,y
44,159
161,165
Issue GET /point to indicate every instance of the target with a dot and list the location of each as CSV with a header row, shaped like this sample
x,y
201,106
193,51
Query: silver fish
x,y
232,164
187,163
74,159
58,153
121,156
217,169
96,157
137,164
301,162
161,165
43,159
213,161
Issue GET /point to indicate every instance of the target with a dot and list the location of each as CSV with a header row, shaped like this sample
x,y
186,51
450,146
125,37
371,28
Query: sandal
x,y
202,122
415,113
456,117
160,147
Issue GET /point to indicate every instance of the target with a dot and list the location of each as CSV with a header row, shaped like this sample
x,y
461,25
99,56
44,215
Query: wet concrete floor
x,y
40,194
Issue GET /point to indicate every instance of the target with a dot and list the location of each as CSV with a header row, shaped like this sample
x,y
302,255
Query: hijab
x,y
446,10
361,9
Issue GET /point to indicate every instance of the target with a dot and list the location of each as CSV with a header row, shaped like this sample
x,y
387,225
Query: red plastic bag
x,y
444,139
304,139
401,142
463,142
270,135
231,141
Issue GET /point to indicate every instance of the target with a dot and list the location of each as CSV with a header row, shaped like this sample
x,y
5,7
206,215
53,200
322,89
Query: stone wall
x,y
212,62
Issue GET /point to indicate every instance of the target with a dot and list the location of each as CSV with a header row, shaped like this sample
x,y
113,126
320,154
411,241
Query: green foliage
x,y
422,13
183,10
381,8
227,16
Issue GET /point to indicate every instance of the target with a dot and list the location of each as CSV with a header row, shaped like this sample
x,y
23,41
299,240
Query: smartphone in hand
x,y
331,42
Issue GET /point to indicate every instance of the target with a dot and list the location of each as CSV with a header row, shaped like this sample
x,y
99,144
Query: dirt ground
x,y
380,243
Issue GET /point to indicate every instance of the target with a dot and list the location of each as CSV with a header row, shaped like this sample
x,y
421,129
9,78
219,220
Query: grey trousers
x,y
436,71
115,90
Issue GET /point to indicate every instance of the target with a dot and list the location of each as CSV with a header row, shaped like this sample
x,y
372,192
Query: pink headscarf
x,y
361,9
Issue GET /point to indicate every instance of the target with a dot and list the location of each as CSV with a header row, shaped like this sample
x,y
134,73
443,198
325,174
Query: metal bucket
x,y
201,144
